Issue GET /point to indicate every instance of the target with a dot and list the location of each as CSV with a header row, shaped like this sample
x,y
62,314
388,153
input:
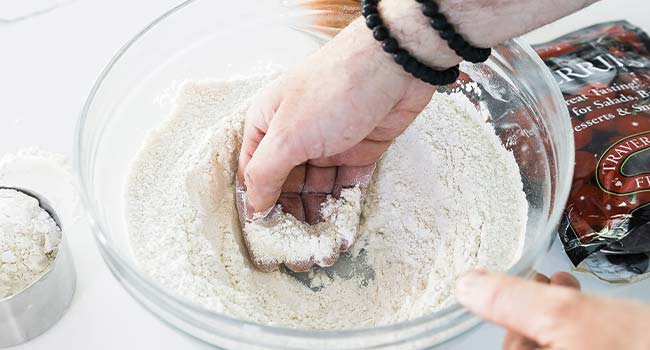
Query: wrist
x,y
412,30
487,23
483,23
370,51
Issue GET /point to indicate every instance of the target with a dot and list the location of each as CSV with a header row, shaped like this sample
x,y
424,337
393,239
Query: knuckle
x,y
249,176
497,302
251,184
314,150
522,346
564,305
258,113
288,142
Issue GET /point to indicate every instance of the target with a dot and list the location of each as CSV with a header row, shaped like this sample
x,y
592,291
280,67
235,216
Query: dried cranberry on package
x,y
604,74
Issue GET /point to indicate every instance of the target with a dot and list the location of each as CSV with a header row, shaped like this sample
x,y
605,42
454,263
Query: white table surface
x,y
48,63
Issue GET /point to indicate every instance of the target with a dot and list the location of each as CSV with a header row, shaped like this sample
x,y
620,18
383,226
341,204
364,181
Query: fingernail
x,y
250,211
242,197
470,286
258,215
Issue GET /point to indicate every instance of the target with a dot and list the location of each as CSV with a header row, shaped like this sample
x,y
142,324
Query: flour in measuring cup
x,y
29,237
29,240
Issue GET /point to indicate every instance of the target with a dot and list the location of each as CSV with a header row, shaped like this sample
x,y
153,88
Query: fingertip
x,y
509,301
541,278
469,286
565,279
242,212
355,175
242,162
270,166
516,341
261,192
258,201
350,176
299,266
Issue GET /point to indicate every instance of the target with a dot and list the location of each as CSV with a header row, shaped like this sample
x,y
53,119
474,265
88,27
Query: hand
x,y
344,106
556,316
325,124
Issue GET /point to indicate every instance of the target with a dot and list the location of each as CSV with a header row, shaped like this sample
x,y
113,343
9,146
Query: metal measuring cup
x,y
32,311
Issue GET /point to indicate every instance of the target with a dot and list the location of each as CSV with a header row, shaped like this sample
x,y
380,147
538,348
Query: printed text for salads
x,y
631,97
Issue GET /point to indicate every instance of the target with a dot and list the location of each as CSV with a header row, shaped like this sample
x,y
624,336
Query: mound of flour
x,y
446,197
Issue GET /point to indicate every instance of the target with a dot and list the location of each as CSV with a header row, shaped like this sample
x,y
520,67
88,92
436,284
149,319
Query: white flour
x,y
446,197
282,238
29,238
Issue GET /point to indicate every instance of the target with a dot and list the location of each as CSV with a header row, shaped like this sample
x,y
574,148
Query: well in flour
x,y
281,238
445,198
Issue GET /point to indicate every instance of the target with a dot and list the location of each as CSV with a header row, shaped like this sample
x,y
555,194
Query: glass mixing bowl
x,y
214,39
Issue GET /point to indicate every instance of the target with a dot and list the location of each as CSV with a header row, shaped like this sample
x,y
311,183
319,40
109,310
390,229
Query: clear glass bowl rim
x,y
522,268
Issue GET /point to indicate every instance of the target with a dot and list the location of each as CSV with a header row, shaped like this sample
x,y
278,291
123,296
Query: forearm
x,y
484,23
490,22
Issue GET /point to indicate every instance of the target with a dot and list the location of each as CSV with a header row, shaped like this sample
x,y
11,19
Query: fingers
x,y
541,278
532,309
350,176
295,180
252,137
292,204
258,117
299,266
347,177
239,202
272,162
319,183
369,150
290,198
312,203
565,279
319,180
516,341
364,153
323,182
256,128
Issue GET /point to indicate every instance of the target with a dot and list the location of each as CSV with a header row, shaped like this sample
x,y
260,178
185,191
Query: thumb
x,y
543,313
271,162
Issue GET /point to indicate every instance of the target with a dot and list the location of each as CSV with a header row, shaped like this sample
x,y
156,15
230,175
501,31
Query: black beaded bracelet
x,y
400,56
447,32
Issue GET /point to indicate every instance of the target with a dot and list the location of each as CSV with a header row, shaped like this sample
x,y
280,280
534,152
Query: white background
x,y
48,63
